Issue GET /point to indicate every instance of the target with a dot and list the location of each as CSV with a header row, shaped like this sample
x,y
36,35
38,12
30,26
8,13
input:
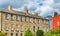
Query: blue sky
x,y
42,7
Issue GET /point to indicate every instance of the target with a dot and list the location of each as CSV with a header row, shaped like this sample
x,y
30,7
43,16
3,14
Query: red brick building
x,y
56,21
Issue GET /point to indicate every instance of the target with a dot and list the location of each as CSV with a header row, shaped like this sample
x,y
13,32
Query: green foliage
x,y
53,33
57,34
39,33
2,34
58,31
28,33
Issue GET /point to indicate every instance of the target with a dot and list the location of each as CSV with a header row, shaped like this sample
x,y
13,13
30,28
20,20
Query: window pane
x,y
6,34
11,34
21,34
27,19
6,27
16,17
31,19
12,26
17,26
6,16
11,16
38,28
21,18
34,20
16,34
34,28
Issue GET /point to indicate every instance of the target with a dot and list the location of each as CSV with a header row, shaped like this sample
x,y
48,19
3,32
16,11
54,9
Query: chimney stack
x,y
55,13
9,8
26,10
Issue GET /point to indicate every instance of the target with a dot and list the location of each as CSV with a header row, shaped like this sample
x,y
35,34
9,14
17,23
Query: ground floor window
x,y
11,34
16,34
38,28
34,28
6,34
21,34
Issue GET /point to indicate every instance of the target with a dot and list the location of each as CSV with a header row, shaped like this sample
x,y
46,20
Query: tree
x,y
58,30
39,33
28,33
2,34
57,34
53,33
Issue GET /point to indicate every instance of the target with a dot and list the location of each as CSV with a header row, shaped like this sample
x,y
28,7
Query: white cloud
x,y
47,7
19,9
44,10
56,6
48,2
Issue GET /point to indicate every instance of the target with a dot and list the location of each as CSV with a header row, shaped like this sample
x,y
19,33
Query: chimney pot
x,y
10,8
55,13
26,10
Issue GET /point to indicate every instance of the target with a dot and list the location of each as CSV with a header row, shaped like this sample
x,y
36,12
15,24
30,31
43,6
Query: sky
x,y
42,7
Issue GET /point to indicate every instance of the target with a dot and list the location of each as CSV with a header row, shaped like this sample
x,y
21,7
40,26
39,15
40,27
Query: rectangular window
x,y
21,34
47,29
34,20
21,18
11,16
16,34
6,27
38,28
6,16
38,21
16,17
12,26
6,34
11,34
21,27
44,21
17,26
25,19
31,19
47,22
34,28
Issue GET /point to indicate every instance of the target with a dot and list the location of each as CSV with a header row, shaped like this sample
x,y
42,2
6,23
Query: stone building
x,y
14,23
